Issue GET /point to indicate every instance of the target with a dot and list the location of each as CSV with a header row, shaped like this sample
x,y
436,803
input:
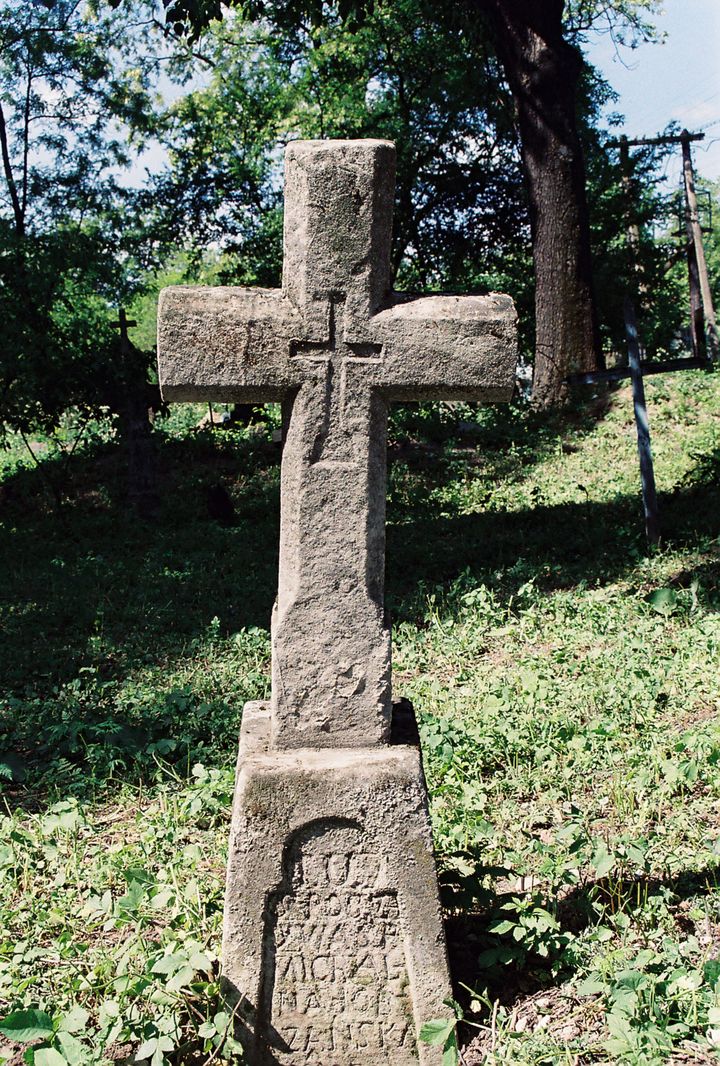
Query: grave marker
x,y
333,933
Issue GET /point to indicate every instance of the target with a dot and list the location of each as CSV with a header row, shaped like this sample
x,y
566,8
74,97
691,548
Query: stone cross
x,y
333,946
337,346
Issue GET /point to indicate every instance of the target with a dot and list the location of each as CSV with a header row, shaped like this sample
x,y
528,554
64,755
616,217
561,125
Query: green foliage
x,y
141,977
655,270
524,928
627,19
460,215
75,240
567,698
24,1026
439,1032
68,238
428,80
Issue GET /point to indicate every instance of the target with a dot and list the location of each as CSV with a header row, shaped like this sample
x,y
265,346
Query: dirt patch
x,y
552,1012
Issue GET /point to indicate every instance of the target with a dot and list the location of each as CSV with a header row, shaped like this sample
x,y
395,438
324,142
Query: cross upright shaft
x,y
336,345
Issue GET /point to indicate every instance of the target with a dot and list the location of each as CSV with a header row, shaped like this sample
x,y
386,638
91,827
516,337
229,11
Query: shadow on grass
x,y
522,976
100,612
556,546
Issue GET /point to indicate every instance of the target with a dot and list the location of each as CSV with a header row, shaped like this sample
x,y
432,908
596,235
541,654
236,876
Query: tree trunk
x,y
543,71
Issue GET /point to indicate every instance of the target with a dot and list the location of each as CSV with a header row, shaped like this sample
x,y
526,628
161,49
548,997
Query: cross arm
x,y
448,347
225,343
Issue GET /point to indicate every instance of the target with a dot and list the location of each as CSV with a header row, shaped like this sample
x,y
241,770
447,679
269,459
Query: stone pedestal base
x,y
333,946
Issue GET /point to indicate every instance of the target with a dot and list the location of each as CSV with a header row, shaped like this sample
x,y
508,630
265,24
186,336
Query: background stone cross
x,y
337,346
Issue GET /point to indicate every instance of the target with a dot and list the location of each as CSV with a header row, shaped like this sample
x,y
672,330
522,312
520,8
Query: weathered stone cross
x,y
333,949
337,346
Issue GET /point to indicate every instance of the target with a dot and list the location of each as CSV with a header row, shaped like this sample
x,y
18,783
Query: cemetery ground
x,y
567,687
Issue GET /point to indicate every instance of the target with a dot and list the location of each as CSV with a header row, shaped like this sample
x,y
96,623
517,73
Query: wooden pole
x,y
696,234
657,141
632,229
647,472
697,321
631,226
697,327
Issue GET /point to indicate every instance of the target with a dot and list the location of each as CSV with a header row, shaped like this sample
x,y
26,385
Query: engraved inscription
x,y
336,972
339,369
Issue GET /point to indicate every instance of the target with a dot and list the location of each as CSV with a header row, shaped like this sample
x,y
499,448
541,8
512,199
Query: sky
x,y
678,80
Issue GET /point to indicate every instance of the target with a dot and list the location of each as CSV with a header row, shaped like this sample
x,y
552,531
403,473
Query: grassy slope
x,y
567,687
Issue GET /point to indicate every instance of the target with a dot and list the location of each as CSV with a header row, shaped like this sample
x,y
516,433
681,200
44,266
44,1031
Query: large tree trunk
x,y
543,70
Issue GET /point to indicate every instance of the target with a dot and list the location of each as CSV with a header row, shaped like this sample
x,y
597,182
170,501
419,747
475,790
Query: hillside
x,y
567,688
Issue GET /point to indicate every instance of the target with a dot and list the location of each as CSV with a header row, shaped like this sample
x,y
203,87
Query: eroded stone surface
x,y
336,977
333,947
332,925
337,346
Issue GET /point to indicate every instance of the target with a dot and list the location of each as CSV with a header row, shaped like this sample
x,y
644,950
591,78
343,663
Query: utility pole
x,y
631,226
647,471
695,233
632,229
697,321
700,296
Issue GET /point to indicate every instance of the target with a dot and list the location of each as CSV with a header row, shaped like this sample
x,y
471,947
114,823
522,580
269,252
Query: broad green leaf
x,y
22,1026
436,1031
450,1056
74,1052
631,979
603,861
109,1010
619,1026
184,976
635,852
132,899
170,963
500,928
48,1056
74,1021
591,986
663,601
139,875
147,1049
200,961
163,1044
162,898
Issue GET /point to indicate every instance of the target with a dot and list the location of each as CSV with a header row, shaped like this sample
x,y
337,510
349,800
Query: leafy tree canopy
x,y
461,219
69,80
460,199
629,20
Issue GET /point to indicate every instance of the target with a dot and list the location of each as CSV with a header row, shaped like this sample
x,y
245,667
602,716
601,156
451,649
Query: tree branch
x,y
26,139
10,177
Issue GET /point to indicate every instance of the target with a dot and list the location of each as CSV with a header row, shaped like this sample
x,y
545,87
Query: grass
x,y
567,687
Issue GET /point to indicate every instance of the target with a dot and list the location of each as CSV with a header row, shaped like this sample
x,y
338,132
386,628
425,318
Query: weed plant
x,y
567,686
